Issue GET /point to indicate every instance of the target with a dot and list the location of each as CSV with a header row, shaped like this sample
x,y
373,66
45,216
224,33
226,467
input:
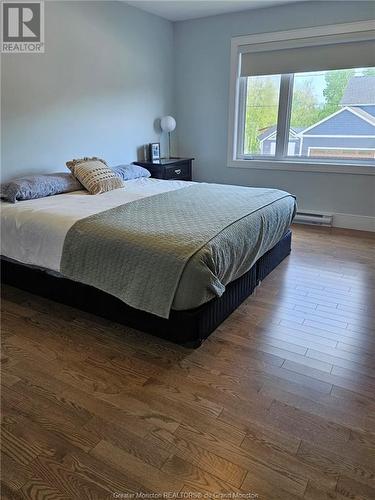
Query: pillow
x,y
38,186
128,172
95,175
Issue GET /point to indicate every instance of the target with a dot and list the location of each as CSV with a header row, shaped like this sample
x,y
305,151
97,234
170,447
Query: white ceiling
x,y
180,10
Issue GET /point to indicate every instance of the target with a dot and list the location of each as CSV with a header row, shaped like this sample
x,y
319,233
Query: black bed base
x,y
189,327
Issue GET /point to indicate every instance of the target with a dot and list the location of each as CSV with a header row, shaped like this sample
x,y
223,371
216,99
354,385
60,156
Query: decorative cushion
x,y
128,172
38,186
95,175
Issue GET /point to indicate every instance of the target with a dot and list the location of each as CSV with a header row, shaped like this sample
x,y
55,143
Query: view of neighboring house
x,y
347,133
267,141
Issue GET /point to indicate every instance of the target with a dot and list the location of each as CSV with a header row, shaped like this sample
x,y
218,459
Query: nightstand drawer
x,y
180,171
169,168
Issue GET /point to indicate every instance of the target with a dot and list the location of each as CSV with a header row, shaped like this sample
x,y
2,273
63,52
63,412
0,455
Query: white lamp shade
x,y
168,123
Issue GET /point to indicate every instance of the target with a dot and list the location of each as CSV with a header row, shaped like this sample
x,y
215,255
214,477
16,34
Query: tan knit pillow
x,y
94,175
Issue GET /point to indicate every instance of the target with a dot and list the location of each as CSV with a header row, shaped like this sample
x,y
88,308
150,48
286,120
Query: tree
x,y
261,109
305,109
336,83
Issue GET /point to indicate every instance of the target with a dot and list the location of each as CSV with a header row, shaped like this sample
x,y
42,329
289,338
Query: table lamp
x,y
168,124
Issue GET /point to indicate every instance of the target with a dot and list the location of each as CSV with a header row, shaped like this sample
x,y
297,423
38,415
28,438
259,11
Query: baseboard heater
x,y
316,219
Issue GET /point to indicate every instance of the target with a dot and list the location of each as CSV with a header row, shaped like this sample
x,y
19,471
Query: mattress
x,y
34,231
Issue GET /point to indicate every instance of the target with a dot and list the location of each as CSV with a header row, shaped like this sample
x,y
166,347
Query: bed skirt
x,y
189,327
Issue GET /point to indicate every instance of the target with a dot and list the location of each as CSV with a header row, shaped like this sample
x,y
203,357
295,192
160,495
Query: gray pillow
x,y
128,172
39,186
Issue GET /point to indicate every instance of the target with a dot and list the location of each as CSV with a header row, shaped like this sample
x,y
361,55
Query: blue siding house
x,y
267,140
347,133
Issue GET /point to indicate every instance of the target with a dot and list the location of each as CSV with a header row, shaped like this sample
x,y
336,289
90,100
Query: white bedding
x,y
33,231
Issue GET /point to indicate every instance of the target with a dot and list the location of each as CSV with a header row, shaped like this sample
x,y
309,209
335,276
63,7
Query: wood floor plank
x,y
138,419
98,472
277,483
68,477
298,337
205,457
195,476
344,359
18,448
365,377
302,376
77,402
258,485
14,474
255,434
53,418
362,386
349,314
209,387
361,350
118,435
287,351
265,343
278,402
305,426
351,399
37,489
200,403
7,493
320,331
339,411
336,464
313,492
364,438
7,379
349,488
174,474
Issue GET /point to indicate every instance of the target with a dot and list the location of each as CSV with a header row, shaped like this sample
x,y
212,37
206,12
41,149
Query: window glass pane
x,y
333,115
261,109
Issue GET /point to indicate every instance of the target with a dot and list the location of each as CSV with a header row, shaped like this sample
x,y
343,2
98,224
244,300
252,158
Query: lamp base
x,y
169,145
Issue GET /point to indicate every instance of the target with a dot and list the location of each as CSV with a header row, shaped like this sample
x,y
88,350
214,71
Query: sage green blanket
x,y
203,236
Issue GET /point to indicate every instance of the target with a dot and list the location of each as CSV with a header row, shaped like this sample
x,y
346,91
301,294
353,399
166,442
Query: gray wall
x,y
103,80
202,89
107,74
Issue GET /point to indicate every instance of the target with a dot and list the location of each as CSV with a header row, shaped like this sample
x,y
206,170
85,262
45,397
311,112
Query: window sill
x,y
294,166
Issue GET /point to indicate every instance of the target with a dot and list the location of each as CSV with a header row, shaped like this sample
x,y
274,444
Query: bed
x,y
171,258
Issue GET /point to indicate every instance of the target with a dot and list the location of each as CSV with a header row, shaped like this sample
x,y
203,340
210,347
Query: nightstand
x,y
169,168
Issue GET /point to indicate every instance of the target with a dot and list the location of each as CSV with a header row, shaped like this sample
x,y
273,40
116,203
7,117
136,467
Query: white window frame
x,y
236,115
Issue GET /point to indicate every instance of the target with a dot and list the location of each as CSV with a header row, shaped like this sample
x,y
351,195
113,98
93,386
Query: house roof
x,y
352,109
369,109
363,114
269,131
360,90
266,132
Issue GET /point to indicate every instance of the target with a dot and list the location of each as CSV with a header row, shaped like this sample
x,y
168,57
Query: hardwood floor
x,y
279,403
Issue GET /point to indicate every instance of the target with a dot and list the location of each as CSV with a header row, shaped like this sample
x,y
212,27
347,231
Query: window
x,y
261,106
304,98
330,115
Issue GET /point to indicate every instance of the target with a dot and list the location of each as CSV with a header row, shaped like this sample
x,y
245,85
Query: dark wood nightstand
x,y
171,168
